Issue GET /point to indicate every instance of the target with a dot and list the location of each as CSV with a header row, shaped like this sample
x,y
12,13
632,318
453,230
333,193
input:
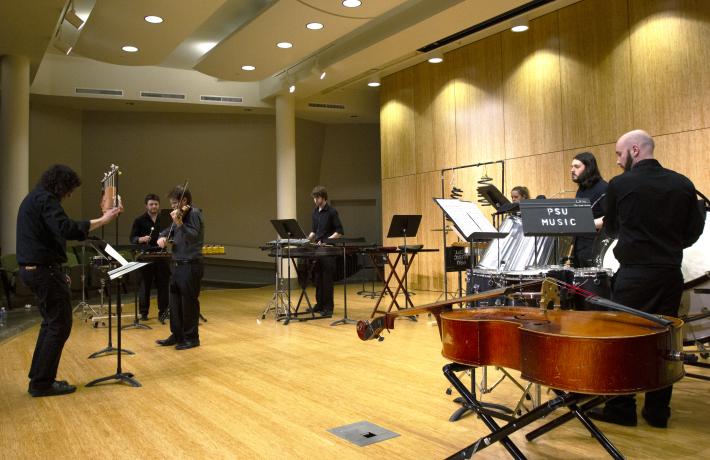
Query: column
x,y
14,145
285,157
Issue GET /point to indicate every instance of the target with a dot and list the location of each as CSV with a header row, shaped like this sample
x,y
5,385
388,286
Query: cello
x,y
584,356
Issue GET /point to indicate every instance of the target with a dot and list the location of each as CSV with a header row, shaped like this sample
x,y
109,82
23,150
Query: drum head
x,y
695,258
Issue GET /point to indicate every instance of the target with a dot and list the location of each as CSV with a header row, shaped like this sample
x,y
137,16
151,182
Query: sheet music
x,y
116,256
467,217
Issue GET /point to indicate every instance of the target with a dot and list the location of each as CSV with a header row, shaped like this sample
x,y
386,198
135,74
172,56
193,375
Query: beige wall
x,y
228,159
578,79
55,137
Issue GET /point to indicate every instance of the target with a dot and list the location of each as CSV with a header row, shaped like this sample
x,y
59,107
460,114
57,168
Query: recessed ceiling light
x,y
284,45
436,60
374,84
351,3
248,67
153,19
520,25
129,49
314,25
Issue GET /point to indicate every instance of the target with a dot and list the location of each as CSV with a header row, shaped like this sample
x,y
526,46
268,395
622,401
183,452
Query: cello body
x,y
592,352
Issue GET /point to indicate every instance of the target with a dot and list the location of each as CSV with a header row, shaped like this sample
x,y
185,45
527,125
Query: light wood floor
x,y
261,389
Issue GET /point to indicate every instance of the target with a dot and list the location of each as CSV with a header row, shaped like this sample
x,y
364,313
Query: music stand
x,y
493,196
343,242
401,226
287,229
117,274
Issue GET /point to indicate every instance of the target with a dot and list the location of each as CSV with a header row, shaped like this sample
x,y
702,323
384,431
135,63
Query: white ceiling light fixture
x,y
248,68
73,18
284,45
520,25
351,3
314,26
436,58
292,88
129,49
374,82
153,19
318,71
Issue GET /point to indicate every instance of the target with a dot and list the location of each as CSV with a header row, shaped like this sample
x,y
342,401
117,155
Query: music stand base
x,y
121,377
109,350
136,325
344,320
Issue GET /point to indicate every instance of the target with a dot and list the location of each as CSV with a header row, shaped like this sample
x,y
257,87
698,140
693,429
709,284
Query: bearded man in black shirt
x,y
42,231
655,214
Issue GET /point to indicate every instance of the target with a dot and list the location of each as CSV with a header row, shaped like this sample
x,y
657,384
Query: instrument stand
x,y
136,324
577,404
344,319
126,377
109,349
277,303
84,305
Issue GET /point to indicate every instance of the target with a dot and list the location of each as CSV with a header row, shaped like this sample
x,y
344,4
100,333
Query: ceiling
x,y
218,37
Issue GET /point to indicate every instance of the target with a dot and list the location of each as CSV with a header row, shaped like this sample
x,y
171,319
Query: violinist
x,y
145,232
187,233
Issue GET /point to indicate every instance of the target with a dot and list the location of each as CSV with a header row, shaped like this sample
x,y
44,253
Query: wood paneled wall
x,y
575,81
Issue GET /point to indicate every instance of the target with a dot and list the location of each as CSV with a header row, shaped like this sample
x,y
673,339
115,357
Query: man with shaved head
x,y
655,214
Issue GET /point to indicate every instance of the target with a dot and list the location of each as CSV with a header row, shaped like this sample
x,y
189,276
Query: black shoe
x,y
326,313
602,415
187,344
56,389
317,308
144,317
167,342
654,421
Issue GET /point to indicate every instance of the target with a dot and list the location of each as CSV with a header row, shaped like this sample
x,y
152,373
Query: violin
x,y
592,352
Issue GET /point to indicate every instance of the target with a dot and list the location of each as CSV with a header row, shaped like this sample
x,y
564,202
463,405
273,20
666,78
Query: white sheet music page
x,y
116,256
467,217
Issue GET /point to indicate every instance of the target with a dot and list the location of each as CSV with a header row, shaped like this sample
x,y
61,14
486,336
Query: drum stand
x,y
84,305
110,348
280,301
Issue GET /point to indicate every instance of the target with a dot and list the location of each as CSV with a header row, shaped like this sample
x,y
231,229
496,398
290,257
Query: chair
x,y
12,284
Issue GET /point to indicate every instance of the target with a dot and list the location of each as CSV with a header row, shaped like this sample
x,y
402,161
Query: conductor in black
x,y
656,214
42,231
326,225
188,232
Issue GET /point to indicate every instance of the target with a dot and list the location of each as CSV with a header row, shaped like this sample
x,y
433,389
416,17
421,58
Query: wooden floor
x,y
258,389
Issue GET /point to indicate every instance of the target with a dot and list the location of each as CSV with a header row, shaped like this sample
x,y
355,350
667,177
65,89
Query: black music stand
x,y
287,229
344,242
117,274
401,226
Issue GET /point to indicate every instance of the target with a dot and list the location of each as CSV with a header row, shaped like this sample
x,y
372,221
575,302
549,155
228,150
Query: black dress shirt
x,y
583,244
43,229
655,213
188,238
142,227
326,222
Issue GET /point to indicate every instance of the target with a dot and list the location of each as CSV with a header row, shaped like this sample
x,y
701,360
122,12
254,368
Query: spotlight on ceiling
x,y
520,25
129,49
374,81
351,3
314,26
153,19
318,72
436,58
248,68
284,45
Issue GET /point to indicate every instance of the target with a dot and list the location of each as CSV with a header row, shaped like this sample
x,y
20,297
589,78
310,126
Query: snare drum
x,y
596,281
481,280
100,261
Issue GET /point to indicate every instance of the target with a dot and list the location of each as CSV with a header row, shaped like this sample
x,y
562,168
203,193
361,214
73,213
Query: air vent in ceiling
x,y
103,92
326,106
228,99
154,95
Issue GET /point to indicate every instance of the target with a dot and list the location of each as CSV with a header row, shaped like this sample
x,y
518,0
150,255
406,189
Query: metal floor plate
x,y
363,433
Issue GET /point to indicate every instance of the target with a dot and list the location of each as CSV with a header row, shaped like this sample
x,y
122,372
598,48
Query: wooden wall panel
x,y
606,161
477,72
541,174
399,196
687,153
670,64
397,125
595,94
430,265
531,94
435,117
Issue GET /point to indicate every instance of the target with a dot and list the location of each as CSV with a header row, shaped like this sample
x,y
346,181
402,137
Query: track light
x,y
318,72
73,18
520,24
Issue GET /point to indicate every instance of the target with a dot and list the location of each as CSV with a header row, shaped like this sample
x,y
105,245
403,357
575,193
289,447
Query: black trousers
x,y
50,287
185,302
325,272
157,272
654,290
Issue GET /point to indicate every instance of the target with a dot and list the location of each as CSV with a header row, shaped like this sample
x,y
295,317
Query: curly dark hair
x,y
178,192
60,180
591,174
320,191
